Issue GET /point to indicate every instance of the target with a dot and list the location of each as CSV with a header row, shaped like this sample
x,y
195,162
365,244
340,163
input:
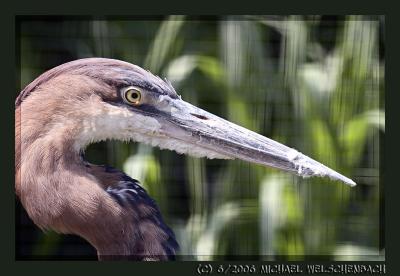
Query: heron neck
x,y
54,186
60,193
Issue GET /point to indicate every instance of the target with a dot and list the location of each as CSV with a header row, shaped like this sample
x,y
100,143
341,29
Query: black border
x,y
9,81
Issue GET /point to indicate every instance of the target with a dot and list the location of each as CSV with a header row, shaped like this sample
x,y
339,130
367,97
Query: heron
x,y
89,100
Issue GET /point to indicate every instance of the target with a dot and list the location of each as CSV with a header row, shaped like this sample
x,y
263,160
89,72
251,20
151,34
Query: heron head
x,y
110,99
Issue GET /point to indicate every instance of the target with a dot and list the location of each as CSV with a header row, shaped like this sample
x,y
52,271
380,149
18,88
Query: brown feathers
x,y
62,192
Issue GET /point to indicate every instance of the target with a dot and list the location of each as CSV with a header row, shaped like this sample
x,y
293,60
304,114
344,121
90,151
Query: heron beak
x,y
192,125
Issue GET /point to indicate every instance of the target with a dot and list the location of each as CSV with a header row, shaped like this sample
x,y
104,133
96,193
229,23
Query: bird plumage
x,y
85,101
63,192
111,72
154,239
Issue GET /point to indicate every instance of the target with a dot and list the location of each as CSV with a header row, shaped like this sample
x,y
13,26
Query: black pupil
x,y
134,95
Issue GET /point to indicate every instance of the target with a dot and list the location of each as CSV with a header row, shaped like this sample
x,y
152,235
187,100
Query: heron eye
x,y
132,95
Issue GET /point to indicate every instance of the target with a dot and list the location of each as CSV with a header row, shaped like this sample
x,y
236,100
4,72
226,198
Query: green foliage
x,y
326,103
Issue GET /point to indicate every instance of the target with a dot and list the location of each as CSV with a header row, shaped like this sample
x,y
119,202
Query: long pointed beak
x,y
192,125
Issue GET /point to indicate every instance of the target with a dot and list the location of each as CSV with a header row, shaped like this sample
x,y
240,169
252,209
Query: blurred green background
x,y
315,83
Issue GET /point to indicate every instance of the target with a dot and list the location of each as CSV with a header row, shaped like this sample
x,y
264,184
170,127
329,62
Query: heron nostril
x,y
199,116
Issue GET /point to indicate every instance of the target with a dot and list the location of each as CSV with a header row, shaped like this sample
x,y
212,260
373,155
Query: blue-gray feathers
x,y
154,239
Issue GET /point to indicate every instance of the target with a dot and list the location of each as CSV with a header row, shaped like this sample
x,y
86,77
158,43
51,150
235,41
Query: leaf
x,y
220,218
323,144
356,131
163,43
182,67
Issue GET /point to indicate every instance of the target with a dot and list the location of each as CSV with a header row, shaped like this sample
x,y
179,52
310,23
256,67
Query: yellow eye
x,y
132,95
